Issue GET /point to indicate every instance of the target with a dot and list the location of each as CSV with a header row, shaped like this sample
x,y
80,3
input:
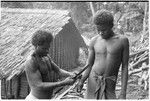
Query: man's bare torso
x,y
45,69
107,56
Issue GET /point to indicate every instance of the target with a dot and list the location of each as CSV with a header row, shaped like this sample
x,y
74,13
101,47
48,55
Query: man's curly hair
x,y
40,37
103,18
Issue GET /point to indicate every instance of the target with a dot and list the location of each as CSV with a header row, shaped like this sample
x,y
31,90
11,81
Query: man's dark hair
x,y
103,18
40,37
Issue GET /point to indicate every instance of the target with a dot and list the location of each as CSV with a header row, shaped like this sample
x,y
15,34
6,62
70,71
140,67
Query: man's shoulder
x,y
124,40
93,40
121,37
29,62
29,59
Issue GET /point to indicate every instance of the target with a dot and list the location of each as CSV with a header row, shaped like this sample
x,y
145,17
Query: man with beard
x,y
107,51
40,66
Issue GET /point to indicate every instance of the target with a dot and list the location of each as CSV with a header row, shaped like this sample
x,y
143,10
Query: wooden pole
x,y
92,8
144,23
64,93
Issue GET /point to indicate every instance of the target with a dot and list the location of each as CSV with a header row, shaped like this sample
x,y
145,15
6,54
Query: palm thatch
x,y
17,27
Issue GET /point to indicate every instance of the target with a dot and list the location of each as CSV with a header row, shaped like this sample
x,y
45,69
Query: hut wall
x,y
65,49
24,87
3,89
16,86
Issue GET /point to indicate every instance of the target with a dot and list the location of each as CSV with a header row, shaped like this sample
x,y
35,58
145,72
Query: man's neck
x,y
110,36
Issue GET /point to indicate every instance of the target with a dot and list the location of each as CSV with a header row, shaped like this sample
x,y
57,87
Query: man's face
x,y
105,31
43,50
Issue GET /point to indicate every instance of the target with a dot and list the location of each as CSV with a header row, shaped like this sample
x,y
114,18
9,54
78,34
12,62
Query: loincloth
x,y
100,92
30,97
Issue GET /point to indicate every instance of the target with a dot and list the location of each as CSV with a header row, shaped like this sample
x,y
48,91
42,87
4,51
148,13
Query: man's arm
x,y
57,69
124,74
35,79
89,63
60,71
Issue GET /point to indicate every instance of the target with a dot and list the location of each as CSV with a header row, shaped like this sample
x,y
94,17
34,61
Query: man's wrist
x,y
60,83
81,81
70,74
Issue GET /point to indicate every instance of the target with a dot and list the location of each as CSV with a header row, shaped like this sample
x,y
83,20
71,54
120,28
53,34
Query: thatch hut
x,y
16,29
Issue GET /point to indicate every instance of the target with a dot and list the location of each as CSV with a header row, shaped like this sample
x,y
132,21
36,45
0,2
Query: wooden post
x,y
92,8
9,92
5,89
144,23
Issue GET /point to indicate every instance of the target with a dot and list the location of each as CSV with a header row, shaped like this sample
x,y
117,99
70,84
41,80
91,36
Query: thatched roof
x,y
16,29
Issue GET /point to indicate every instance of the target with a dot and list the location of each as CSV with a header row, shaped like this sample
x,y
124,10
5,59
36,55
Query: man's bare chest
x,y
113,46
44,67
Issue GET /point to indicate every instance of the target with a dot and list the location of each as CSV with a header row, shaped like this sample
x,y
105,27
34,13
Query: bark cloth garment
x,y
100,87
101,91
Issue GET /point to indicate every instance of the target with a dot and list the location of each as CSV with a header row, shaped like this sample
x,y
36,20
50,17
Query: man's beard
x,y
41,54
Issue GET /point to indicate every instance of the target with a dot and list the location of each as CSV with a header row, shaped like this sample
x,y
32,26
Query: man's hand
x,y
79,87
69,81
72,74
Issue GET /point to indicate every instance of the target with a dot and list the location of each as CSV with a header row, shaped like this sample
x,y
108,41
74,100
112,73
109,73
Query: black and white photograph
x,y
74,50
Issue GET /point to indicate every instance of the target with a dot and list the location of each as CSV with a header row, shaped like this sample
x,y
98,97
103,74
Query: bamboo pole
x,y
64,93
142,50
5,88
92,8
59,51
144,22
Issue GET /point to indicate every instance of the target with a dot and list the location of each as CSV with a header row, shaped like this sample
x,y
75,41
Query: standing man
x,y
40,66
107,51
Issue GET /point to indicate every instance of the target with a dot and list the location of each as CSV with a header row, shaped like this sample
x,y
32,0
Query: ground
x,y
134,91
